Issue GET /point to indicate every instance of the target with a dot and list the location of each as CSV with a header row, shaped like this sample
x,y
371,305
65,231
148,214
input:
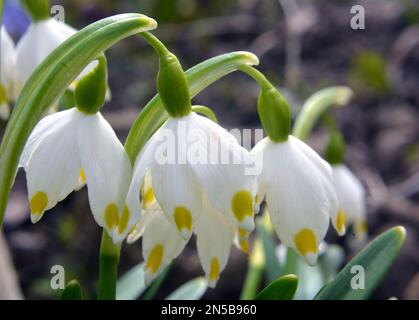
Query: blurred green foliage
x,y
367,74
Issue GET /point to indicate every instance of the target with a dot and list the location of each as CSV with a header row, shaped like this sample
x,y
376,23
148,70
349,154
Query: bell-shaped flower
x,y
351,196
69,146
298,188
7,62
74,146
190,157
162,241
41,38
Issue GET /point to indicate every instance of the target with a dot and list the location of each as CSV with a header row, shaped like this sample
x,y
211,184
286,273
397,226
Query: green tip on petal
x,y
173,86
90,92
38,9
274,113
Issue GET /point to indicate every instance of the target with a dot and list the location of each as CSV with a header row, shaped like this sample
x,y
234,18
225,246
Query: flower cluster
x,y
192,177
20,61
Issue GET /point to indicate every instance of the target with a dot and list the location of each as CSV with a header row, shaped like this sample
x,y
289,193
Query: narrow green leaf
x,y
316,105
51,79
131,285
192,290
282,288
273,269
156,284
375,259
199,77
72,291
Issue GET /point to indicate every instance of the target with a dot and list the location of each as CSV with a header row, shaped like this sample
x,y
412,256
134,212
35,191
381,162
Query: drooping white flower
x,y
198,177
162,241
70,146
7,62
298,188
351,196
41,38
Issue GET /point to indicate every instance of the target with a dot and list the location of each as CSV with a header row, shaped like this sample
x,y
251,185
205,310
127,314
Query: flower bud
x,y
274,114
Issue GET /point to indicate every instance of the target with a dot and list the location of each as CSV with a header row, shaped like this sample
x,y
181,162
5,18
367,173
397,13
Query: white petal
x,y
178,194
224,176
44,128
52,163
142,165
351,194
108,173
327,180
161,244
298,202
214,239
36,44
7,61
174,184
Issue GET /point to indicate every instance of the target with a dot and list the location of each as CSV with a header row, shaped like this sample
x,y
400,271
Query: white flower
x,y
7,62
351,196
198,177
162,241
299,193
41,38
70,146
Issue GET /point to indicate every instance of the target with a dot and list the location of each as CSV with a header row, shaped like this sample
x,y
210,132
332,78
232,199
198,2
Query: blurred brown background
x,y
303,46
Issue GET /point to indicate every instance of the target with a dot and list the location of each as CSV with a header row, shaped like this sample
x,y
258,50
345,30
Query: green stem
x,y
316,105
258,76
254,272
108,269
157,45
205,111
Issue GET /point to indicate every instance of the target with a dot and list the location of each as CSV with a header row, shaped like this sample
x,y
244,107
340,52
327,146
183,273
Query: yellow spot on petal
x,y
155,258
82,176
257,198
147,198
242,205
243,233
244,245
38,203
123,222
341,221
183,218
214,270
111,216
306,241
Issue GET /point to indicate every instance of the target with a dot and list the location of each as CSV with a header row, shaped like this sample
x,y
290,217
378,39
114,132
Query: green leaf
x,y
192,290
131,285
316,105
199,77
51,79
273,268
156,284
376,259
72,291
282,288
